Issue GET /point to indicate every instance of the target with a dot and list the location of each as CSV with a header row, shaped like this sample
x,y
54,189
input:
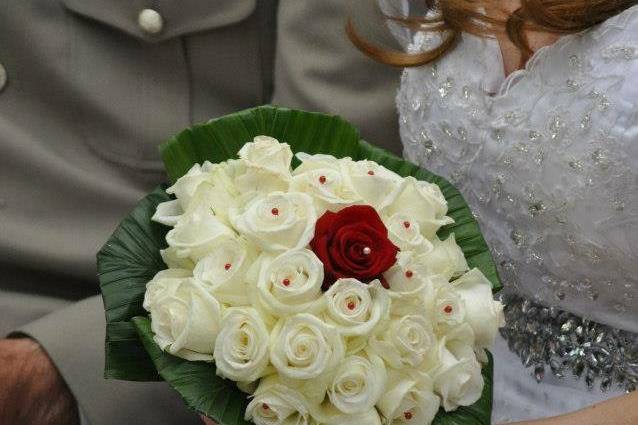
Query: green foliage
x,y
197,383
131,257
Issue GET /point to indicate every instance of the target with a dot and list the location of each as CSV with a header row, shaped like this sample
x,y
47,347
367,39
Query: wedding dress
x,y
547,158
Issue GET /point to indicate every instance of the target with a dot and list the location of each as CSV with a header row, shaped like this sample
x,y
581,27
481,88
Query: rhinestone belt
x,y
546,338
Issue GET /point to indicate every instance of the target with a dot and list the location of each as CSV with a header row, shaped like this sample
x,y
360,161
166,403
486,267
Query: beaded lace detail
x,y
549,340
547,159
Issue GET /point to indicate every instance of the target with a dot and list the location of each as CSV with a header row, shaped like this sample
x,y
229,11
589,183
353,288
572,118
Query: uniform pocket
x,y
133,90
179,17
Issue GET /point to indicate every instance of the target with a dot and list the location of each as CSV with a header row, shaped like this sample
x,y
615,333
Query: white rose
x,y
252,280
196,234
411,288
173,261
304,347
409,399
377,185
407,235
457,378
291,283
185,187
424,203
168,213
325,179
408,276
446,259
185,318
358,384
267,152
217,194
333,417
278,221
241,350
318,161
355,308
263,167
214,192
251,180
223,270
449,307
275,403
482,313
405,342
461,339
163,281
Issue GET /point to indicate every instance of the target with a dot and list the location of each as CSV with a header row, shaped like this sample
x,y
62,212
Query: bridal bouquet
x,y
320,287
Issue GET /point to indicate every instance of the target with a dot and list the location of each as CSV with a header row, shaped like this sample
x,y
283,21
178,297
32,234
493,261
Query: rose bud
x,y
353,243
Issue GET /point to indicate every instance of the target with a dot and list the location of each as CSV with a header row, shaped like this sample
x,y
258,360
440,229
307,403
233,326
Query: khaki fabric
x,y
318,69
74,338
88,99
87,104
20,307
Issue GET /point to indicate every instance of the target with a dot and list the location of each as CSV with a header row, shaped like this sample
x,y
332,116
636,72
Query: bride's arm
x,y
617,411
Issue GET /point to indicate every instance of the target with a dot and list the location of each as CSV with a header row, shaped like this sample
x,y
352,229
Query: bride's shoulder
x,y
607,49
612,53
623,25
613,44
600,66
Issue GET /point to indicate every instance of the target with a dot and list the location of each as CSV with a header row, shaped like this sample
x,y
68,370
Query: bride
x,y
531,109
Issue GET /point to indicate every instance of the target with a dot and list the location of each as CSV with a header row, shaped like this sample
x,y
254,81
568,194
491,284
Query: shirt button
x,y
3,77
150,21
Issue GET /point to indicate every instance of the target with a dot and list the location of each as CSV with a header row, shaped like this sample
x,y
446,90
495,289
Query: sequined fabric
x,y
552,341
548,160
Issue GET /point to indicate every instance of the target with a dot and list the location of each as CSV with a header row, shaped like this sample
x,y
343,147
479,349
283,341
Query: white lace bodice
x,y
547,159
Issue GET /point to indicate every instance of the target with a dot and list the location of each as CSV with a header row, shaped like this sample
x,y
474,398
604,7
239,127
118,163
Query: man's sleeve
x,y
318,69
74,339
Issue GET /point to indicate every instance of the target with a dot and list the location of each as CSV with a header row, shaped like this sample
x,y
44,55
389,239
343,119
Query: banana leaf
x,y
130,258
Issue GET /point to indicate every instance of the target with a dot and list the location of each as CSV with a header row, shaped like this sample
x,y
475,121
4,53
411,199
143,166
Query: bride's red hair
x,y
451,17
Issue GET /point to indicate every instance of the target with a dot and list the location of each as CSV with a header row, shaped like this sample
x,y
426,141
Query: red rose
x,y
353,243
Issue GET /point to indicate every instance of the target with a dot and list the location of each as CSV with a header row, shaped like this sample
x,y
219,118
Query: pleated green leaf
x,y
197,383
220,139
131,256
128,260
480,413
